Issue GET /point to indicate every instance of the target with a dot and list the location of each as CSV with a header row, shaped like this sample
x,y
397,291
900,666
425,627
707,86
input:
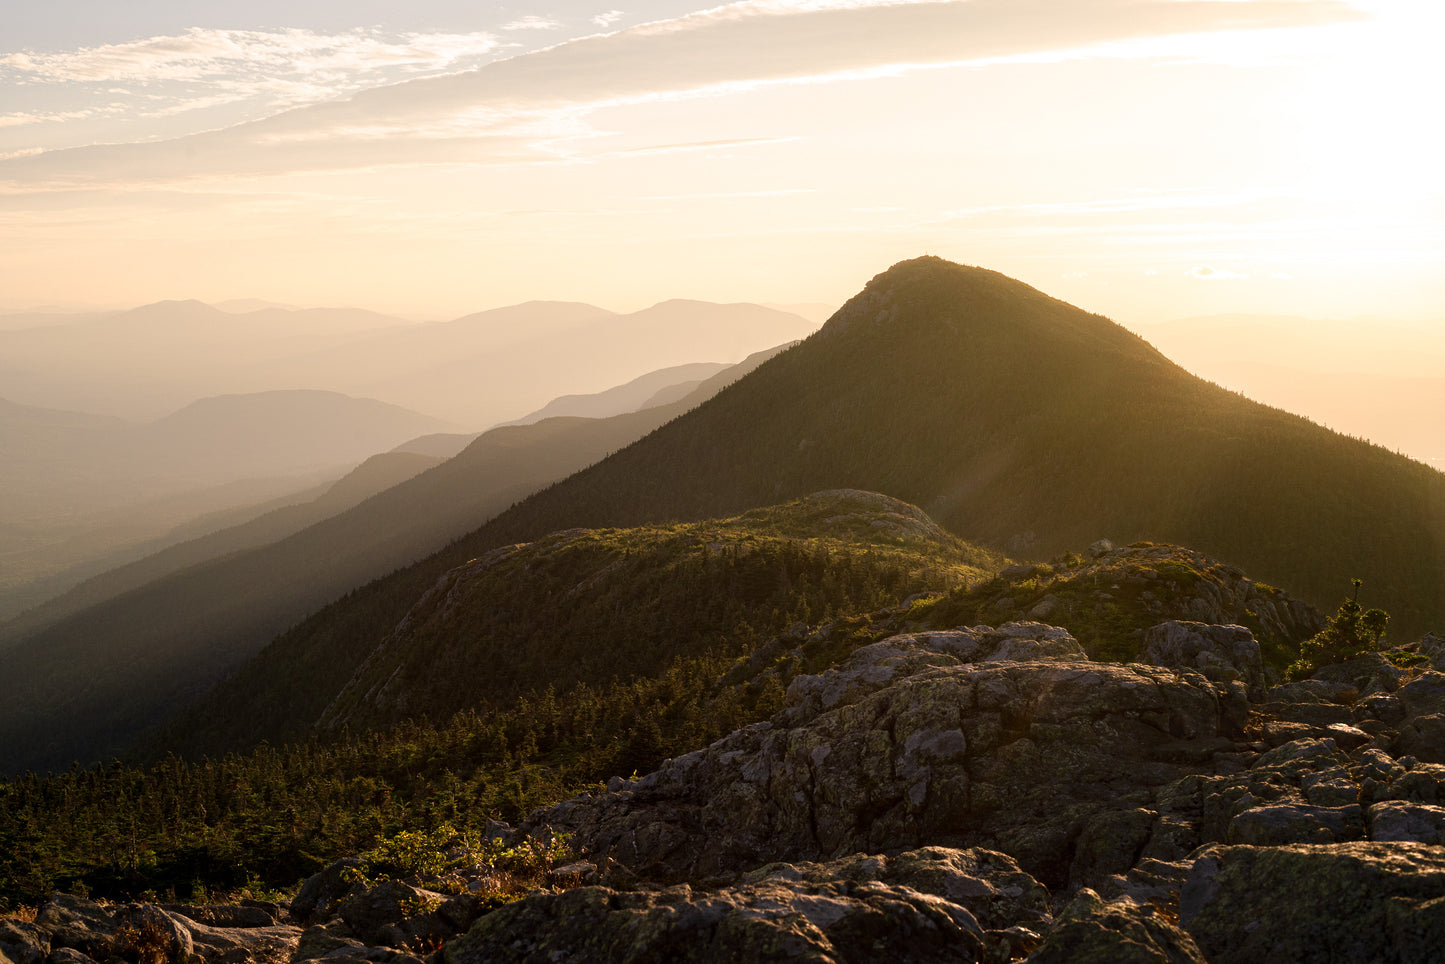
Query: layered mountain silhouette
x,y
212,539
475,371
537,362
79,491
1014,419
89,682
146,362
60,463
645,391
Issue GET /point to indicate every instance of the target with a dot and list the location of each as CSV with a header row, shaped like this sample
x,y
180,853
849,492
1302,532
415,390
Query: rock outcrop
x,y
982,795
1220,653
961,738
1171,818
73,930
932,905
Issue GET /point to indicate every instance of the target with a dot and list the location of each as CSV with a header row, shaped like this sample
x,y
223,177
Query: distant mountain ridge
x,y
1014,419
642,392
475,371
58,461
376,474
78,489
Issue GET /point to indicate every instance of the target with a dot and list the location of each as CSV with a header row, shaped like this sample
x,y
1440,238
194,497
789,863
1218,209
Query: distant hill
x,y
642,392
475,371
78,490
225,436
148,361
439,444
90,682
539,363
376,474
1015,420
63,464
41,559
814,311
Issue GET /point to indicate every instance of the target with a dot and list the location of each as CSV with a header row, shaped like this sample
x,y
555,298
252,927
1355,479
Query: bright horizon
x,y
1145,159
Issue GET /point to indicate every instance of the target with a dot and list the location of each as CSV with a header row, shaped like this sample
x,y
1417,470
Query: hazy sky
x,y
1146,159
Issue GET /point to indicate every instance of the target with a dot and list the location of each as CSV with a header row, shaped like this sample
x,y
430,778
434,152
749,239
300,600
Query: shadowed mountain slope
x,y
62,464
588,605
88,684
531,370
1013,419
641,392
376,474
81,494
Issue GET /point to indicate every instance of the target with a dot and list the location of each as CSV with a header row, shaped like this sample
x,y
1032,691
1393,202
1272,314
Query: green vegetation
x,y
266,819
434,853
1107,603
1353,632
801,586
527,677
587,606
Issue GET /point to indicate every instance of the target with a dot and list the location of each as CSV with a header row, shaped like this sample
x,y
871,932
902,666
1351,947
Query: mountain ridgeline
x,y
1015,420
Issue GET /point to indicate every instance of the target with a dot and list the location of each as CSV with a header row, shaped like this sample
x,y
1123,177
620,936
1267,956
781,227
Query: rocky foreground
x,y
978,795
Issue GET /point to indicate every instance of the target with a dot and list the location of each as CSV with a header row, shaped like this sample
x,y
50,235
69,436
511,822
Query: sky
x,y
1145,159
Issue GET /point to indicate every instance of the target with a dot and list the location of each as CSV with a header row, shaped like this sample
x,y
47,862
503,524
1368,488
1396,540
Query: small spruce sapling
x,y
1352,632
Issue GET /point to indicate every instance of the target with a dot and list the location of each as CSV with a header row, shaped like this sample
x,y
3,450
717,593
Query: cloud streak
x,y
205,67
209,54
533,23
504,111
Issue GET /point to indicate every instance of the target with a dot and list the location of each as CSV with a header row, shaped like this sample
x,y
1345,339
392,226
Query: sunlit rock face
x,y
1004,738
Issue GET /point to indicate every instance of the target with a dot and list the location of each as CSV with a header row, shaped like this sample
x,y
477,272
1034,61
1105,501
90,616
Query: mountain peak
x,y
931,269
976,315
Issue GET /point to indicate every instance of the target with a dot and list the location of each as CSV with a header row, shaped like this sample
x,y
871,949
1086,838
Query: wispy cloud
x,y
203,67
609,18
207,54
25,118
533,23
510,108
